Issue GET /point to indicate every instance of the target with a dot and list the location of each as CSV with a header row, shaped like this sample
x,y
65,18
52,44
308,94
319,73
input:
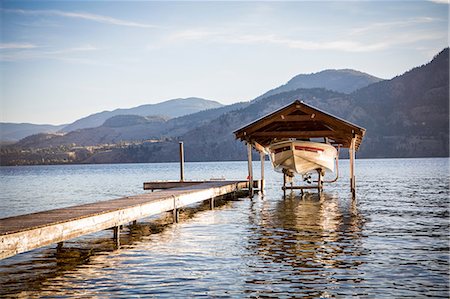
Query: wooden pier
x,y
26,232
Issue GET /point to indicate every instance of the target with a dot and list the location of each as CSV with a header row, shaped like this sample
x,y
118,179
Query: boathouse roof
x,y
302,121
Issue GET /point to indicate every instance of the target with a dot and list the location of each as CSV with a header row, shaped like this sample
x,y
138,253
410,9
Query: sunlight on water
x,y
392,243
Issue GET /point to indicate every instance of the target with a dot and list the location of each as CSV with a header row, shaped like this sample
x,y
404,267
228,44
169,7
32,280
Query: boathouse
x,y
301,121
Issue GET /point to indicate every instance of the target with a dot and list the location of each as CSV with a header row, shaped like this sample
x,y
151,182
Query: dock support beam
x,y
59,246
250,170
351,152
262,157
116,237
211,203
181,161
176,215
175,211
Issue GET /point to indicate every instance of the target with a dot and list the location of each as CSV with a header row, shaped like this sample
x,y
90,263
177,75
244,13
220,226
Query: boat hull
x,y
302,157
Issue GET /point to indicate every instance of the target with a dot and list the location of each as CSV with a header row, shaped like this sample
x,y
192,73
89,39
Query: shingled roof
x,y
300,120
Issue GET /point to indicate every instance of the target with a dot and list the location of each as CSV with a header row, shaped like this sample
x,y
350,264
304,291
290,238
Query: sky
x,y
63,60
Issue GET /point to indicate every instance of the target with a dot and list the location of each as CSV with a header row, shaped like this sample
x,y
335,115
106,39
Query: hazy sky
x,y
63,60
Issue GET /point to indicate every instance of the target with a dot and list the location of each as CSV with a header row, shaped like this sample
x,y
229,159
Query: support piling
x,y
250,170
181,161
116,236
262,157
59,246
211,203
352,167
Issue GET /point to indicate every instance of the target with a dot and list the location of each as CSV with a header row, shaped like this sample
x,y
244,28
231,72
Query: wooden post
x,y
250,170
352,167
284,185
319,181
181,161
116,237
175,211
211,203
262,157
59,246
176,215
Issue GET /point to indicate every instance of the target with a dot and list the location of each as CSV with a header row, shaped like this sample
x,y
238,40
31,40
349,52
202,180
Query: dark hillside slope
x,y
410,113
13,132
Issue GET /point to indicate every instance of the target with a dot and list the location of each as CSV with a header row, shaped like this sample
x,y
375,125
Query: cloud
x,y
353,43
16,46
237,38
80,15
194,34
22,52
393,24
339,45
84,48
440,1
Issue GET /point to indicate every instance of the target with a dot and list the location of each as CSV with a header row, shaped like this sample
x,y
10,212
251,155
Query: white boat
x,y
302,157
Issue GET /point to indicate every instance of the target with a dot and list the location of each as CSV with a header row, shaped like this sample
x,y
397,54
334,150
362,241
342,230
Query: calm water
x,y
393,243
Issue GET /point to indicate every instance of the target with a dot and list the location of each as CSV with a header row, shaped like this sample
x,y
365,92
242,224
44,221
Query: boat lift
x,y
299,120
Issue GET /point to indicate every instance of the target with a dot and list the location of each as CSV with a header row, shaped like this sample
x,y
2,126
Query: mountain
x,y
171,108
215,140
344,81
12,132
127,128
337,79
407,116
120,121
117,129
409,113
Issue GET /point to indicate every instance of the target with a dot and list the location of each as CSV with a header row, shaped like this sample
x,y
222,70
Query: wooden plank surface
x,y
169,184
26,232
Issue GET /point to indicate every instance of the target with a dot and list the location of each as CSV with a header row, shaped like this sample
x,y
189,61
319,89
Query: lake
x,y
392,242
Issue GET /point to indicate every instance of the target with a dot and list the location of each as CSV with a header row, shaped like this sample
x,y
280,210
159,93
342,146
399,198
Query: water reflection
x,y
316,243
29,273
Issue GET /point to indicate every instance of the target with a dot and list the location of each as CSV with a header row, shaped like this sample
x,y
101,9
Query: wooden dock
x,y
26,232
